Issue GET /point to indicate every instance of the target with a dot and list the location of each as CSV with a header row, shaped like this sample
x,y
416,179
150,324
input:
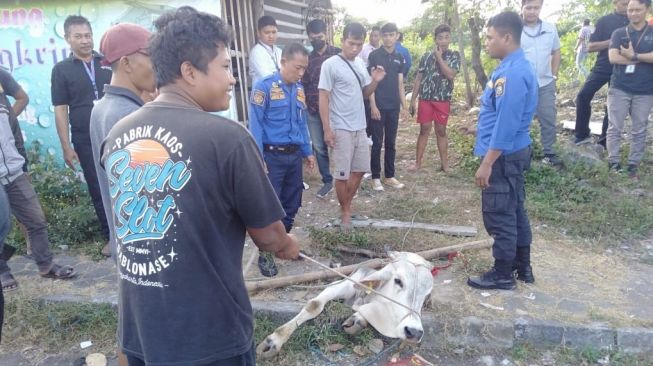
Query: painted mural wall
x,y
32,41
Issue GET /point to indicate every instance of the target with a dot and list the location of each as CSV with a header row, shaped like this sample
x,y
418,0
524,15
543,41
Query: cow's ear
x,y
375,279
393,255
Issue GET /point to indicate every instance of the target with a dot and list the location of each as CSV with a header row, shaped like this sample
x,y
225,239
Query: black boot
x,y
498,278
521,267
266,264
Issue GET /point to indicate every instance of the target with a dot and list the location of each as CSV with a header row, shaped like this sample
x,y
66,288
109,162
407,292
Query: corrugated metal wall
x,y
291,16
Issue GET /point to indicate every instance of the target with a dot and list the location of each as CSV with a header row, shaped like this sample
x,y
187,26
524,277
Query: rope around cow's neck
x,y
367,288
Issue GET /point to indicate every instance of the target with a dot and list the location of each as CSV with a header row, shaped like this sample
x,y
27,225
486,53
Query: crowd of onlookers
x,y
184,186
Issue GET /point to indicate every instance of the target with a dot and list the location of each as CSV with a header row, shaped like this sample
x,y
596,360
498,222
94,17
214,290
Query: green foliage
x,y
65,201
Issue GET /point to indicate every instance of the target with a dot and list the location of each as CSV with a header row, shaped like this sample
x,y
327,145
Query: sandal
x,y
59,272
8,282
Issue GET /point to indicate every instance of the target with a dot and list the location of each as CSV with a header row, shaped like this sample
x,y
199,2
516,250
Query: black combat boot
x,y
521,267
498,278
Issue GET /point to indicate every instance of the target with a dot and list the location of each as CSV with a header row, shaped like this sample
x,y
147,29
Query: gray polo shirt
x,y
11,162
346,108
116,104
538,43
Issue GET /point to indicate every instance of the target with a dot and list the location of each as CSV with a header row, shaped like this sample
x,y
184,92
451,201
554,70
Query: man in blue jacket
x,y
279,125
503,143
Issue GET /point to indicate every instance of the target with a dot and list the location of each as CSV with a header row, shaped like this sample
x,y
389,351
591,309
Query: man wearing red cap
x,y
125,49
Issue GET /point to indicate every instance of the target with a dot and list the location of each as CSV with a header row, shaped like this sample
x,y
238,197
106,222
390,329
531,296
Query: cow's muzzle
x,y
413,335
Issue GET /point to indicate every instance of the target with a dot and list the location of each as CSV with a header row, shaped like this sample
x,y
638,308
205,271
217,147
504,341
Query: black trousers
x,y
593,83
384,133
504,214
85,153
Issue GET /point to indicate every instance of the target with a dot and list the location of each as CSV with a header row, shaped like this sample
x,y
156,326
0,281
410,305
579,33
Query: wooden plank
x,y
284,35
452,230
290,25
347,270
274,9
294,3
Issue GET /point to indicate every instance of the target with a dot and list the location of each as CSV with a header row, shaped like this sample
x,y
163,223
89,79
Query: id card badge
x,y
630,69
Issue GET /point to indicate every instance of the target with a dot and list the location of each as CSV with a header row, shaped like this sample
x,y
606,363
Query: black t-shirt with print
x,y
640,81
387,92
184,185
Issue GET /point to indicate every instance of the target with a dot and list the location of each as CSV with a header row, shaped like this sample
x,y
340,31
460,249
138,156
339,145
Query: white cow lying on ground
x,y
406,280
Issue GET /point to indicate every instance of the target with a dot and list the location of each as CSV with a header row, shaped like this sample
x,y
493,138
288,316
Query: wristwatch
x,y
634,58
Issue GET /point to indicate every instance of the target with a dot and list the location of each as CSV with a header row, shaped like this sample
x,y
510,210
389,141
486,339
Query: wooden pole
x,y
347,270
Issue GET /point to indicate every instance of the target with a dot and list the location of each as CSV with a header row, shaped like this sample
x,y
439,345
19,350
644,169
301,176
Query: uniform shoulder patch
x,y
258,97
500,86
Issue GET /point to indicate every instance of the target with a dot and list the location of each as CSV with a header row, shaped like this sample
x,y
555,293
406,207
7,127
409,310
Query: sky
x,y
403,11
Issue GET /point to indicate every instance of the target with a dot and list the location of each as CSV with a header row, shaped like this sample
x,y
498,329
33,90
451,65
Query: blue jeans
x,y
286,175
319,146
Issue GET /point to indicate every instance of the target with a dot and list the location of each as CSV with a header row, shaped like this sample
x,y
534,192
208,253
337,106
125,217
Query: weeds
x,y
52,327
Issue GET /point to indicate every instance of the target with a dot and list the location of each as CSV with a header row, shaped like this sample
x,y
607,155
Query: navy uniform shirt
x,y
278,114
72,86
507,106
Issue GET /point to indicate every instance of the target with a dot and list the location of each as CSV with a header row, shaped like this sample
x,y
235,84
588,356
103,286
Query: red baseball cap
x,y
122,40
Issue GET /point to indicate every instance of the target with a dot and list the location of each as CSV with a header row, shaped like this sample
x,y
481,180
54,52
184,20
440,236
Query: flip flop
x,y
59,272
8,282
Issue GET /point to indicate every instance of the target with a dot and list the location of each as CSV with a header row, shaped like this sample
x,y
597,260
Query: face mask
x,y
318,44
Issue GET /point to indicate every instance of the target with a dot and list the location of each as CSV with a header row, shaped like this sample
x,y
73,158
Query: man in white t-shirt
x,y
373,44
265,57
344,83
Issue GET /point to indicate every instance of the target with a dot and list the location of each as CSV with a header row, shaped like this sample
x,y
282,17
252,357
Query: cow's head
x,y
407,280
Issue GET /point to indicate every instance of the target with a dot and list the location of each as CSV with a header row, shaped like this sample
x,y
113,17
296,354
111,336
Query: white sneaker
x,y
394,183
376,185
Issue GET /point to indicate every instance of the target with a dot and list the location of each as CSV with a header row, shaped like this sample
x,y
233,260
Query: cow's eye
x,y
399,283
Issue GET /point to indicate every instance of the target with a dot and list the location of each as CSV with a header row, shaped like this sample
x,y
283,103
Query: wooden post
x,y
347,270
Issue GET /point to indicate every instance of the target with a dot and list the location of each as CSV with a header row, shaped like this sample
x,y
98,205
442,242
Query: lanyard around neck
x,y
641,36
537,33
90,71
271,54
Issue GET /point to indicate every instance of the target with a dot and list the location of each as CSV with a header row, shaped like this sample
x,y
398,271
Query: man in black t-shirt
x,y
600,75
385,104
77,84
185,187
631,86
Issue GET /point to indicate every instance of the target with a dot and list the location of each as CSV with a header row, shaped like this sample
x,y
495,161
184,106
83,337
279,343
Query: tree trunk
x,y
461,50
474,28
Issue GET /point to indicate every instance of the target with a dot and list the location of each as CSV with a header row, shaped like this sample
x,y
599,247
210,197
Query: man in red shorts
x,y
434,87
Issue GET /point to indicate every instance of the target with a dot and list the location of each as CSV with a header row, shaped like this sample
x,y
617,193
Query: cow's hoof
x,y
354,325
267,349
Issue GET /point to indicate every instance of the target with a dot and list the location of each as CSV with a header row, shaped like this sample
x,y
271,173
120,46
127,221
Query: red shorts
x,y
429,111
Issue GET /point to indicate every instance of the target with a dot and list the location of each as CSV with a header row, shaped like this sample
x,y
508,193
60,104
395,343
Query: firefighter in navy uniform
x,y
503,143
278,122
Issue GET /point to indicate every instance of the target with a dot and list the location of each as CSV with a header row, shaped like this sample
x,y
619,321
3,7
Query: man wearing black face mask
x,y
316,30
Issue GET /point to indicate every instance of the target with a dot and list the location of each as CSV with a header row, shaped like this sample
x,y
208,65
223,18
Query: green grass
x,y
317,333
53,327
579,200
527,354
